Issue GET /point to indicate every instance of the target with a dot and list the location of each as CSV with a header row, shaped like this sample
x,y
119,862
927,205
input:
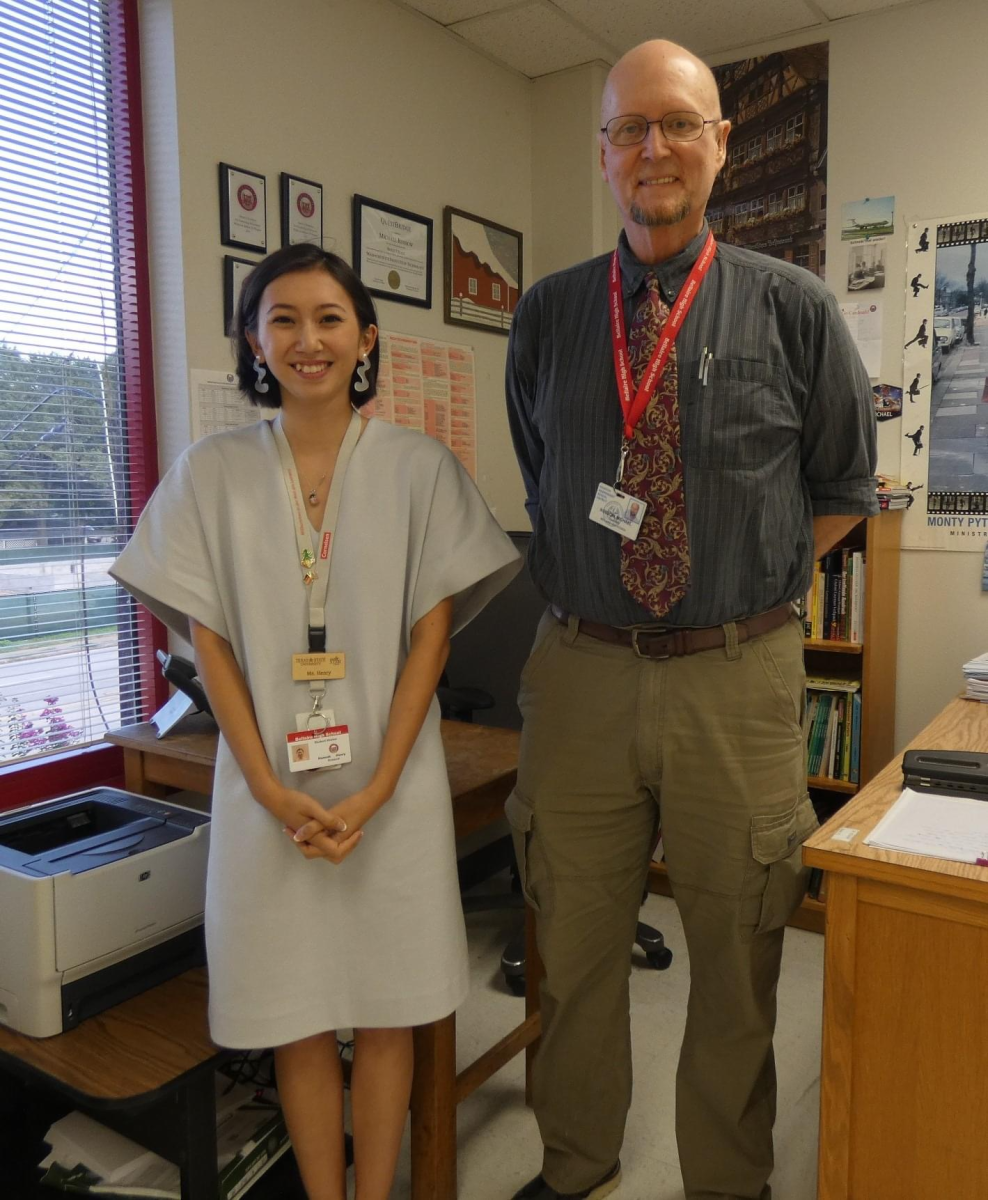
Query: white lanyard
x,y
315,564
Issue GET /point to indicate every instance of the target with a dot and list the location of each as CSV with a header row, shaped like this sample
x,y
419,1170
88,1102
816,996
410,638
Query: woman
x,y
319,564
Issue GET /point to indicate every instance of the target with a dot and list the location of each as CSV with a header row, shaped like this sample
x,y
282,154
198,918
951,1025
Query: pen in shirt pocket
x,y
706,358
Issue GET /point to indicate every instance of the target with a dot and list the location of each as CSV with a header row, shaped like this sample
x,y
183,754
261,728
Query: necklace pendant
x,y
308,559
313,498
308,577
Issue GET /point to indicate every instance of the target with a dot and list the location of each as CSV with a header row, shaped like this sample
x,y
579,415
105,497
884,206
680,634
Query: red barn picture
x,y
482,271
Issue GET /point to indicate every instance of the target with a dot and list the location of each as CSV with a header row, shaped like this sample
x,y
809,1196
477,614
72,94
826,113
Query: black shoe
x,y
538,1189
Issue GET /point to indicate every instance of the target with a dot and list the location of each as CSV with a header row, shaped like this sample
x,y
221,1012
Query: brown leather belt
x,y
658,642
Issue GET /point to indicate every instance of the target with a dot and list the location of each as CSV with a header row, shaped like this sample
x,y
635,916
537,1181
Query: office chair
x,y
492,662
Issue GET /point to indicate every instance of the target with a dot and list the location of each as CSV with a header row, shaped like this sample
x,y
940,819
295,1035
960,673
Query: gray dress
x,y
297,947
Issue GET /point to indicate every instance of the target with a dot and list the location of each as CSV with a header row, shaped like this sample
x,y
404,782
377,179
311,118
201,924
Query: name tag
x,y
331,665
309,750
618,511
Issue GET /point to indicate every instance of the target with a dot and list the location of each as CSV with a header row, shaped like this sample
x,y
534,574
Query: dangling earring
x,y
260,371
363,383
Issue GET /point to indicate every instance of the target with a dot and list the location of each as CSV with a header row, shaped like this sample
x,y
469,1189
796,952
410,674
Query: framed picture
x,y
392,251
243,209
235,271
481,271
301,210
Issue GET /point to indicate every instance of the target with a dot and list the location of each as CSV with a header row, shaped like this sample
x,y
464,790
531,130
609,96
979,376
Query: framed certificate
x,y
235,271
392,252
301,210
243,209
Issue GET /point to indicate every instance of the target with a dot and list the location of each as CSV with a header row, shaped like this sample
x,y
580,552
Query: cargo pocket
x,y
521,817
776,847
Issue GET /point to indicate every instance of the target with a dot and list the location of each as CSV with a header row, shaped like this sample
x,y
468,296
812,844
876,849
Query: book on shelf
x,y
833,724
834,609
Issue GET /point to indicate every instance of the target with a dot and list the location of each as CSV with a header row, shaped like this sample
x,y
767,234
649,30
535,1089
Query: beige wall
x,y
361,97
366,97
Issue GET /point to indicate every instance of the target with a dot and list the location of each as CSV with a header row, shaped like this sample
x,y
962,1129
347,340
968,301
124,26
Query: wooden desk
x,y
904,1085
145,1068
481,762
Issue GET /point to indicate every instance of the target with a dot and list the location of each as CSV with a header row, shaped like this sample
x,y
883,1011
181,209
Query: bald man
x,y
694,427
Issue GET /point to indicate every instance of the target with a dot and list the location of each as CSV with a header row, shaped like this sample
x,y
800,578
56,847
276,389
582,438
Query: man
x,y
666,682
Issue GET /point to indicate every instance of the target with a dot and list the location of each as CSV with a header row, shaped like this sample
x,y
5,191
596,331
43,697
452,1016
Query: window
x,y
737,155
757,207
795,198
754,148
472,286
775,135
495,291
774,203
77,446
794,127
741,208
801,256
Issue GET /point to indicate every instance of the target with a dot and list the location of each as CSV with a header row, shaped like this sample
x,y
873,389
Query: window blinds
x,y
76,449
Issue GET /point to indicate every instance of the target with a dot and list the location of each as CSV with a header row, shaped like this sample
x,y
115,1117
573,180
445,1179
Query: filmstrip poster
x,y
772,194
945,394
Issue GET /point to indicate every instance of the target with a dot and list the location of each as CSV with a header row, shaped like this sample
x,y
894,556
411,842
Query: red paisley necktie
x,y
655,569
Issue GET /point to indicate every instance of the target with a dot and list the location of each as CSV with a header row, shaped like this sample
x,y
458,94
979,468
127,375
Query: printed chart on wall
x,y
945,365
430,386
218,404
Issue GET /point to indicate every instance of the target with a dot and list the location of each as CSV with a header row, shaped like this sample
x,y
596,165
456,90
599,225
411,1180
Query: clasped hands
x,y
330,833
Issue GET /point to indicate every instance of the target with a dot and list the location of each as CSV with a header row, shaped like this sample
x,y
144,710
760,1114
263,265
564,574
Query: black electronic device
x,y
182,674
947,772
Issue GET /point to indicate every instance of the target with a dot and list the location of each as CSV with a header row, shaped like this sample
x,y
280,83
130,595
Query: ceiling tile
x,y
703,28
836,9
534,40
448,11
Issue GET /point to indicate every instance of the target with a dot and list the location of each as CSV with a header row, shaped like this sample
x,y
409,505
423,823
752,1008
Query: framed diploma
x,y
235,271
243,209
481,271
301,210
392,252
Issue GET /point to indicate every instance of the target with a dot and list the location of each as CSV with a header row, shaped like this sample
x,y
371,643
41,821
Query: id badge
x,y
618,511
312,749
309,722
319,666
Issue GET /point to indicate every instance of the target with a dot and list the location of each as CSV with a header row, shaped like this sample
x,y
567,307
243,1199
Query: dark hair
x,y
301,257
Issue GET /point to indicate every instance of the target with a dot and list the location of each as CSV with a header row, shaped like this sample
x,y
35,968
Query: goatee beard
x,y
641,217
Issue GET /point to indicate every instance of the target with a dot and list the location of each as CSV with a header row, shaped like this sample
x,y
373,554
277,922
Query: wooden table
x,y
145,1068
481,762
904,1085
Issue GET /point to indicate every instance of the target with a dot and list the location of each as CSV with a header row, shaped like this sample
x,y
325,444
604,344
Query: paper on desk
x,y
953,827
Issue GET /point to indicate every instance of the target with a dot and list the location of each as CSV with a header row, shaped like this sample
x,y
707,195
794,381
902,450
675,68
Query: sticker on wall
x,y
888,401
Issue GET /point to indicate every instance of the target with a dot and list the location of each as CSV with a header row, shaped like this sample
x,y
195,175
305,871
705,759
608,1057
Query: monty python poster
x,y
945,368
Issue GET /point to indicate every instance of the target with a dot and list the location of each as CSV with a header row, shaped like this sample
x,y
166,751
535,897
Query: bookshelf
x,y
872,662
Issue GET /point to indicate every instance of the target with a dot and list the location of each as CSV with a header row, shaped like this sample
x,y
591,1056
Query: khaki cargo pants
x,y
712,745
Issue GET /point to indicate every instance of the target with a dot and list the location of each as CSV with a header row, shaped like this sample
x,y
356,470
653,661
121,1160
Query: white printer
x,y
101,896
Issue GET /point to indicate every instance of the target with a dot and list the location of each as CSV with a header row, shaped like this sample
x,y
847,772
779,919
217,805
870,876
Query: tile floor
x,y
499,1147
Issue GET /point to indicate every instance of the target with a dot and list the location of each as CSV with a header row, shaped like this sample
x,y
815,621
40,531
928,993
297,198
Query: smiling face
x,y
661,184
309,337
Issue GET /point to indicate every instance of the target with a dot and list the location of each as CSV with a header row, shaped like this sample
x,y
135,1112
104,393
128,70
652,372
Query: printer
x,y
101,896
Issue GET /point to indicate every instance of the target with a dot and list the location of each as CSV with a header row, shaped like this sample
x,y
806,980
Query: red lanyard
x,y
632,408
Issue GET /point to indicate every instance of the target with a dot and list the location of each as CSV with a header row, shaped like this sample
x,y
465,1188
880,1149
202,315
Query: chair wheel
x,y
516,984
660,960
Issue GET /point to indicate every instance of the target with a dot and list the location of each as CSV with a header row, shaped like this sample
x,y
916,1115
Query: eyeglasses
x,y
676,127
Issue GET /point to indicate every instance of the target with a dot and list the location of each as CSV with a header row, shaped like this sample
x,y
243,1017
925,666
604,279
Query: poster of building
x,y
945,360
772,194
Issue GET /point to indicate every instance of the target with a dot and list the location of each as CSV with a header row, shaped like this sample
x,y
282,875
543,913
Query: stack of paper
x,y
954,827
976,674
88,1158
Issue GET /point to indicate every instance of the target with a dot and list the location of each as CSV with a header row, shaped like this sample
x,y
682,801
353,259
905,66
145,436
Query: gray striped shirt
x,y
783,430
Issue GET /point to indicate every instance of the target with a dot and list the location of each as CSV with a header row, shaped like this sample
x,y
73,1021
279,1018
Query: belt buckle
x,y
638,650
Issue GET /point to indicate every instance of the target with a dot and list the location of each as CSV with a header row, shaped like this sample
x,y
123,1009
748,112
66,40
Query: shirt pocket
x,y
742,419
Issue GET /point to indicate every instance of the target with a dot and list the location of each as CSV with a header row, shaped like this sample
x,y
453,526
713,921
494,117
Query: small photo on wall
x,y
243,209
866,265
869,218
482,279
888,401
235,271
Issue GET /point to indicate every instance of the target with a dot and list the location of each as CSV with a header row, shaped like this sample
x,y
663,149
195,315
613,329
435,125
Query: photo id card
x,y
618,511
311,749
